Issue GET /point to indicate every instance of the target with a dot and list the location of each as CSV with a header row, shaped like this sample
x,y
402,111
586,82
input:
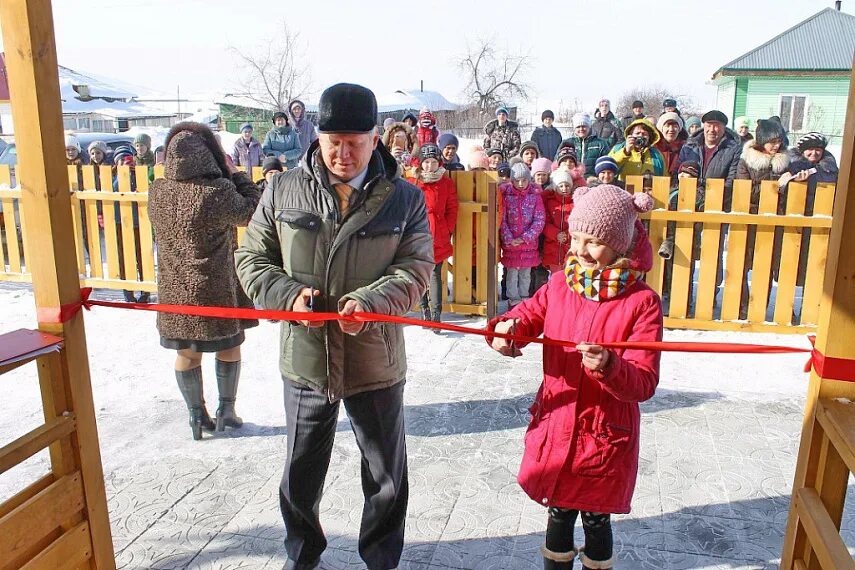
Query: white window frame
x,y
789,127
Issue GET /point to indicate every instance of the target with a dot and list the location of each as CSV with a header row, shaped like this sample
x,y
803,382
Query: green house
x,y
801,75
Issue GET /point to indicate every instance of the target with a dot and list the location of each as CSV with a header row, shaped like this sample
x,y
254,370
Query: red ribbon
x,y
828,368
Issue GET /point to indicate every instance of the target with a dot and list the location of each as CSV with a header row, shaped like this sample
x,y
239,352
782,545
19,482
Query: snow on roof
x,y
86,93
405,99
250,103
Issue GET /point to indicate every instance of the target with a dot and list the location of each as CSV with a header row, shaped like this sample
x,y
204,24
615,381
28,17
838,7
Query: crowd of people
x,y
349,221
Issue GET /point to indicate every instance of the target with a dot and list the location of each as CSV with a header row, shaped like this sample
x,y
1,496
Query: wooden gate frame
x,y
827,448
60,521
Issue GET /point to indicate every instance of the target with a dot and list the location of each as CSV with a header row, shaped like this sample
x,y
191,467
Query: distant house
x,y
91,104
801,75
236,110
403,101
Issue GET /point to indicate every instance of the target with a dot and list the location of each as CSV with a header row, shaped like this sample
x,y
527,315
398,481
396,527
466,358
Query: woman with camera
x,y
637,154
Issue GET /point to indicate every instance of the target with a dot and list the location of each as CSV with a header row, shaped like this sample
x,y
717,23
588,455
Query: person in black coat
x,y
546,137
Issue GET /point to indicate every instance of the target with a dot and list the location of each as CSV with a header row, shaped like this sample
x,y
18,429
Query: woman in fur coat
x,y
194,212
764,158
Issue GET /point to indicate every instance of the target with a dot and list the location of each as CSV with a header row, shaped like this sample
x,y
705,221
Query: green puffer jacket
x,y
588,151
380,254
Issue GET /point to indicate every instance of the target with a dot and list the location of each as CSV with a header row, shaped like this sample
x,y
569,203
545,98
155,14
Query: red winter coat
x,y
427,135
557,207
441,202
581,446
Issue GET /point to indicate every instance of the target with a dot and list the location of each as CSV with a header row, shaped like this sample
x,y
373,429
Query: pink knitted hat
x,y
541,165
608,213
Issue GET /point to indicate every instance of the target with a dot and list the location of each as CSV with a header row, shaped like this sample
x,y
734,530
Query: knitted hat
x,y
447,139
665,117
504,170
143,138
515,160
520,171
541,165
388,123
429,150
347,108
100,145
71,141
529,145
691,168
280,115
811,140
637,103
608,213
426,118
121,153
739,122
245,126
693,121
560,177
767,130
492,151
568,151
503,110
605,163
581,119
478,159
547,115
271,163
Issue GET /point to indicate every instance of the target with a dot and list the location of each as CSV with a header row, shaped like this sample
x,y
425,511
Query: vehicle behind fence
x,y
704,284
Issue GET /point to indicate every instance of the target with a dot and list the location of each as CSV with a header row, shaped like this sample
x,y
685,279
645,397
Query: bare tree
x,y
275,74
652,97
491,77
566,111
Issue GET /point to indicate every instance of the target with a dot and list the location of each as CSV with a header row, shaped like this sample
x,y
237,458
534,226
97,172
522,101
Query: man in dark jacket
x,y
588,147
341,233
637,113
606,126
717,151
547,138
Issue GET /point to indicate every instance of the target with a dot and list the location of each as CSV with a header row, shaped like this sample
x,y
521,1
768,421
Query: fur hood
x,y
759,161
412,141
491,126
192,151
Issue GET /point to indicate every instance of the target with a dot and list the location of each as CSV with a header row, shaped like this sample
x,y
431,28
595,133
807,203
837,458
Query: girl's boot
x,y
436,316
228,374
190,384
588,564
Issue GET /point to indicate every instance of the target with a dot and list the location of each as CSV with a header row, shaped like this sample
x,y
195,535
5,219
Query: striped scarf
x,y
599,284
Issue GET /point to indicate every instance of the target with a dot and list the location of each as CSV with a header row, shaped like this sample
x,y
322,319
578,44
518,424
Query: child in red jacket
x,y
427,131
582,443
441,202
558,203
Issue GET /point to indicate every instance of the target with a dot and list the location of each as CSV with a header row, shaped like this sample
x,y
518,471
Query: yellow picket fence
x,y
116,250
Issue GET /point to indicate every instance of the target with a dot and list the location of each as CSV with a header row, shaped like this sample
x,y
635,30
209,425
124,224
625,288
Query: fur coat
x,y
757,166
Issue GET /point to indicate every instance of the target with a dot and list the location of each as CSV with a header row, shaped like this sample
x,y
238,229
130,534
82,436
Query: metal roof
x,y
823,42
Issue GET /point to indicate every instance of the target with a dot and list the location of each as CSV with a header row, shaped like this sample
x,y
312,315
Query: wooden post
x,y
834,340
28,37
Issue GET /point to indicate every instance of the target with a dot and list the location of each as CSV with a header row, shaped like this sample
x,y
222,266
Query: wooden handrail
x,y
31,443
825,540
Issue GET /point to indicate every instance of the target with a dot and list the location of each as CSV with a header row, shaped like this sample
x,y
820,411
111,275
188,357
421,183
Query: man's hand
x,y
351,327
502,345
302,304
594,356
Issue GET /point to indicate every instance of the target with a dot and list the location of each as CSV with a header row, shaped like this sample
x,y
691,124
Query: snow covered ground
x,y
718,449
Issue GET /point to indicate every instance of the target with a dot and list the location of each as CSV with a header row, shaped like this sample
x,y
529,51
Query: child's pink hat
x,y
541,165
608,213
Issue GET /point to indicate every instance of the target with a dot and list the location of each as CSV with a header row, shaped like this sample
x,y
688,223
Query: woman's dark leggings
x,y
433,297
597,527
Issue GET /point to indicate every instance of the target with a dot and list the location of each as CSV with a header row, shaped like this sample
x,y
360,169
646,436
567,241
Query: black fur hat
x,y
347,108
767,130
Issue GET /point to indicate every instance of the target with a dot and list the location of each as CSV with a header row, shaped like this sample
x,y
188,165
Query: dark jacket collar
x,y
381,166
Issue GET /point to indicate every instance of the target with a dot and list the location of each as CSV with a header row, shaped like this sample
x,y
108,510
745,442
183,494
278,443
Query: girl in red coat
x,y
581,447
558,202
427,131
441,202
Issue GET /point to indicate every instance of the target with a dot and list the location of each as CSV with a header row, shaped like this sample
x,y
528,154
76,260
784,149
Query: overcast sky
x,y
580,50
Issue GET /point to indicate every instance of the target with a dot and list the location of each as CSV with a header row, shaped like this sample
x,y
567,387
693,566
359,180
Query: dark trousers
x,y
599,542
377,419
434,296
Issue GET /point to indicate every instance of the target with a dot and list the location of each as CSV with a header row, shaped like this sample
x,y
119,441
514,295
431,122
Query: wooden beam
x,y
69,551
38,517
31,443
830,549
835,331
30,47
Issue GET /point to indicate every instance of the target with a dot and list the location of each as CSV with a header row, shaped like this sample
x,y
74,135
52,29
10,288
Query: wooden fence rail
x,y
702,284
